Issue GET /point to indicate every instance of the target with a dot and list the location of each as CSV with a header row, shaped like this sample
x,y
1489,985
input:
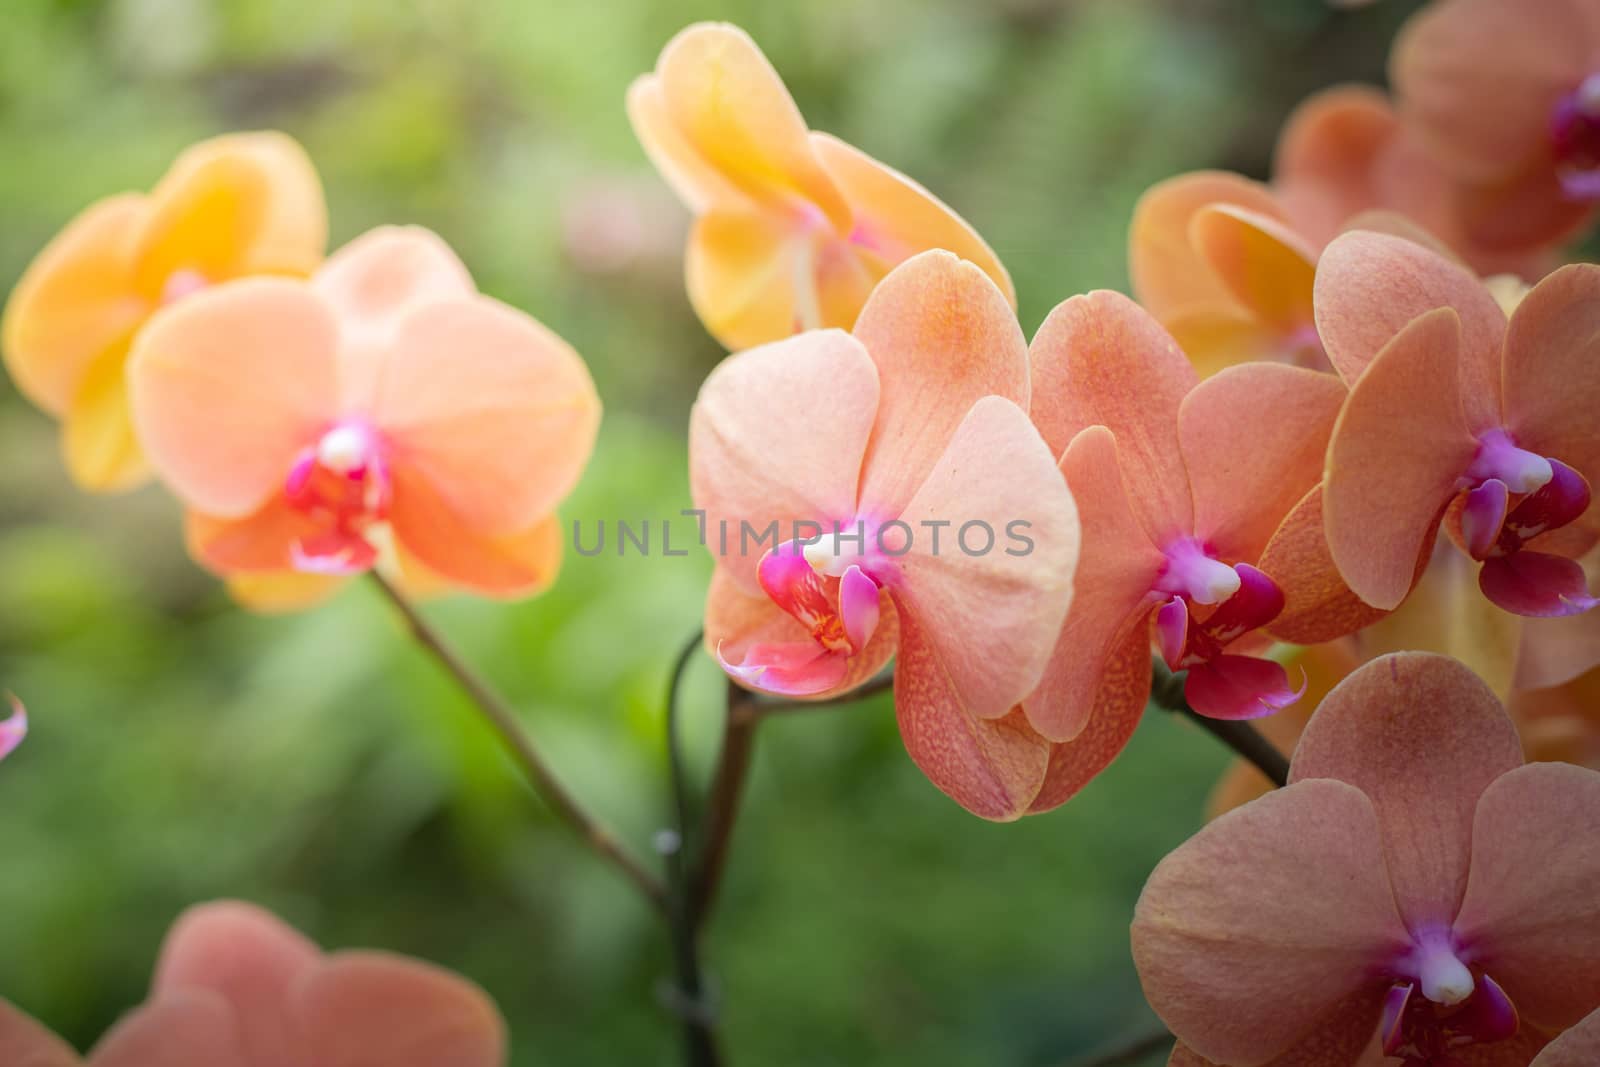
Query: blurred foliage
x,y
184,750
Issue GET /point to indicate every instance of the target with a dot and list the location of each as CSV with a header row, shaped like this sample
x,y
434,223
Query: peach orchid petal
x,y
1370,286
942,337
229,386
1222,336
1266,266
260,543
517,563
281,592
1555,651
377,280
698,184
1480,78
248,957
1247,474
1552,369
991,767
1345,1037
491,408
1422,737
185,1028
370,1009
74,304
756,456
1398,448
730,105
1538,936
1236,943
1317,604
1578,1047
750,278
97,437
1116,568
737,621
1011,600
1169,274
25,1043
241,204
1101,360
895,217
1117,705
1324,165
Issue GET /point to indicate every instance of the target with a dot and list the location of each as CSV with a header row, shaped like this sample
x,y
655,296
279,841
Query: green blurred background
x,y
185,750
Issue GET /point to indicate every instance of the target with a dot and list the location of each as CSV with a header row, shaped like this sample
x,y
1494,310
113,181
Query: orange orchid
x,y
792,228
1505,94
238,205
382,413
1457,413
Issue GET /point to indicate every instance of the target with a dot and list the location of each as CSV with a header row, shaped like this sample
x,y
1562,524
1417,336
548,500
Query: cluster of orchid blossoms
x,y
1331,467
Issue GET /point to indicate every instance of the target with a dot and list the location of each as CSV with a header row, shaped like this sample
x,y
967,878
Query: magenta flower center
x,y
341,485
1439,1005
1575,140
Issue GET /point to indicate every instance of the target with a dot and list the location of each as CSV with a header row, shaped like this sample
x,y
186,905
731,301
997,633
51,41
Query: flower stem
x,y
504,722
1166,692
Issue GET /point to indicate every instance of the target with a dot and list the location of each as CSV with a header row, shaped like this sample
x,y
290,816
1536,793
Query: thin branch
x,y
1129,1051
727,795
503,720
1166,691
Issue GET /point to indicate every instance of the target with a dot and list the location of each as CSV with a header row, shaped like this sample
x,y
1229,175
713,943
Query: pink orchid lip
x,y
1483,517
341,483
1499,457
1438,1004
1219,685
14,728
1575,140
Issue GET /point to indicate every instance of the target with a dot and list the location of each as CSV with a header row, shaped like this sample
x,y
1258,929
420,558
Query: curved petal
x,y
101,450
1518,224
993,767
1552,369
185,1028
375,282
1423,737
1123,690
240,204
281,592
509,565
730,105
1101,360
493,410
989,604
1169,274
737,621
1221,336
371,1009
261,543
1266,922
777,435
1267,267
1480,78
1253,440
751,278
1539,937
1555,651
896,218
25,1043
250,958
1317,604
1345,1037
1398,448
1578,1047
1116,568
696,181
75,302
229,386
1324,164
1370,286
942,337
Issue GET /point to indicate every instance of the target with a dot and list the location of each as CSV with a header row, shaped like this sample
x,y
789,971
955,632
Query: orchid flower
x,y
382,413
1506,96
1189,493
236,987
792,228
234,206
903,455
1380,904
1455,410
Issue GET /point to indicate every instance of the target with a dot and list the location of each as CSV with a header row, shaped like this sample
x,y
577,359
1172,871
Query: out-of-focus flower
x,y
905,451
1183,488
382,413
1506,96
234,206
1562,723
792,228
236,987
1382,898
14,728
1453,408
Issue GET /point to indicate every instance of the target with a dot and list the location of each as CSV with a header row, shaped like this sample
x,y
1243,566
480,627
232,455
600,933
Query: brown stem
x,y
503,720
722,807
